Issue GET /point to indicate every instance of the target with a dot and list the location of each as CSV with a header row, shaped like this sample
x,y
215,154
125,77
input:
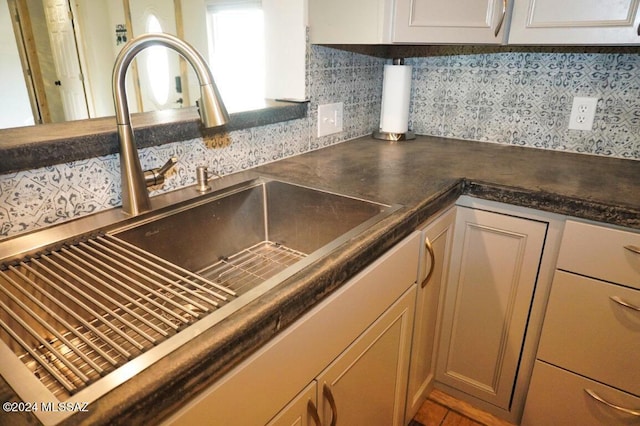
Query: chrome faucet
x,y
135,197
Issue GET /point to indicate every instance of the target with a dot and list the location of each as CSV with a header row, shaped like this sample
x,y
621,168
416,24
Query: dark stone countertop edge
x,y
33,147
618,215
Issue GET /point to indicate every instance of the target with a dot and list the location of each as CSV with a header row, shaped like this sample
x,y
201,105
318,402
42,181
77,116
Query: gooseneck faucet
x,y
135,197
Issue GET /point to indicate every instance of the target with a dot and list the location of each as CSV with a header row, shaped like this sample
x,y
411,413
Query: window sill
x,y
25,148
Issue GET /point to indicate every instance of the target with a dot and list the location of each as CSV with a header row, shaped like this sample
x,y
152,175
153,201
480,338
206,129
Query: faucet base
x,y
135,197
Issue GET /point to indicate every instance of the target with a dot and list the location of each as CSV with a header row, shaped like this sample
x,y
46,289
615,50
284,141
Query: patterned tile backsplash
x,y
520,97
34,199
525,98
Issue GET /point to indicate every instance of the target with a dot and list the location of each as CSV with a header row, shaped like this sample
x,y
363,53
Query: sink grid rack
x,y
78,312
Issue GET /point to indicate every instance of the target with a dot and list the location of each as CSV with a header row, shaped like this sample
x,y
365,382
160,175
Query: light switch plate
x,y
582,113
330,119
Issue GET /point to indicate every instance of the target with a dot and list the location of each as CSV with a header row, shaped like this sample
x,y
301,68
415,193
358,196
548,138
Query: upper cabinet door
x,y
408,21
451,21
583,22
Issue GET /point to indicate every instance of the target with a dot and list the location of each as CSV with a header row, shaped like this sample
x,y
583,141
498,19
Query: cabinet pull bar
x,y
619,301
639,29
501,21
313,412
432,258
633,249
326,391
592,394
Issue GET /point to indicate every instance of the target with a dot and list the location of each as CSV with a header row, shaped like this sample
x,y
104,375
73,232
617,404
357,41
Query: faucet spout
x,y
135,197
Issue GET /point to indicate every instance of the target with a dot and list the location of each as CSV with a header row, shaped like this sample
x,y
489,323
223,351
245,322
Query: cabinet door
x,y
302,411
494,267
350,22
437,236
575,22
367,384
450,21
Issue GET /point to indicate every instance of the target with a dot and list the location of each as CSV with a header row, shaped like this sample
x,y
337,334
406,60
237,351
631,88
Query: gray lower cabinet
x,y
496,261
355,344
437,237
588,363
365,384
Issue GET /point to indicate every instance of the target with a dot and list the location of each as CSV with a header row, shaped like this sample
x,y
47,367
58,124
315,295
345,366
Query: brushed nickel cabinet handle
x,y
501,21
432,258
313,412
592,394
634,249
326,391
619,301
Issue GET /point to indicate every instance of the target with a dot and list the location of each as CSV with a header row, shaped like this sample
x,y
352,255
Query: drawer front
x,y
586,331
559,397
600,252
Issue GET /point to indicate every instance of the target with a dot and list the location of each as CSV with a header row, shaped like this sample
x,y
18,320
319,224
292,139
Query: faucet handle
x,y
156,176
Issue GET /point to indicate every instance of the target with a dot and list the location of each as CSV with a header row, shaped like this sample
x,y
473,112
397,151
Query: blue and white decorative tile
x,y
530,93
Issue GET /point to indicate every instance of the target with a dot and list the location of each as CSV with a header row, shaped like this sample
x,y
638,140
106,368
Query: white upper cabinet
x,y
350,21
451,21
566,22
407,21
582,22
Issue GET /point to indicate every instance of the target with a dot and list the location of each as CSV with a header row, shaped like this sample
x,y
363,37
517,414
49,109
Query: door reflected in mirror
x,y
59,70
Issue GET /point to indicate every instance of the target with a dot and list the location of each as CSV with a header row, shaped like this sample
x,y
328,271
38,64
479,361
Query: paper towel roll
x,y
396,93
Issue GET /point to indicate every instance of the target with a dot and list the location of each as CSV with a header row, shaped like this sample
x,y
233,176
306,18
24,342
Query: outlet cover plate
x,y
582,113
330,119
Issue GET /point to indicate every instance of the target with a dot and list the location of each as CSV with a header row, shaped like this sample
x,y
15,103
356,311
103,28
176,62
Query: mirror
x,y
58,69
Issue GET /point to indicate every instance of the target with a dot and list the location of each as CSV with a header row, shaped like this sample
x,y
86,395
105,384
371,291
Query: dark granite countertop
x,y
424,176
591,187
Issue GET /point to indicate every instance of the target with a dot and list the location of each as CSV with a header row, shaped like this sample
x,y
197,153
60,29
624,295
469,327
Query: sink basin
x,y
90,312
266,215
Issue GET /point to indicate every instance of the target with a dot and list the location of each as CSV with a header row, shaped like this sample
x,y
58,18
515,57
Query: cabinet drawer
x,y
600,252
587,332
559,397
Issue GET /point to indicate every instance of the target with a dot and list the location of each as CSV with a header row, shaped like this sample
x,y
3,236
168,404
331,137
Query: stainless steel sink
x,y
268,212
88,313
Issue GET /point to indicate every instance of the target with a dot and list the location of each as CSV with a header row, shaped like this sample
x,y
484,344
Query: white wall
x,y
285,35
15,108
194,14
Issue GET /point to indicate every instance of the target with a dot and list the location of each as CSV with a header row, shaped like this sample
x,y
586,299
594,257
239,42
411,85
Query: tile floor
x,y
441,409
433,414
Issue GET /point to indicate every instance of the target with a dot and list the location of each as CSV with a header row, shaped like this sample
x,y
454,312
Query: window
x,y
157,64
236,51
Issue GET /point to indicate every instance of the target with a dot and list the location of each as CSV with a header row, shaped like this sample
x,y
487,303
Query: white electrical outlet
x,y
330,119
582,113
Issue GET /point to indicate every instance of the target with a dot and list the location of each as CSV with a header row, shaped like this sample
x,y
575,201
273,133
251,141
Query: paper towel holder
x,y
391,136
